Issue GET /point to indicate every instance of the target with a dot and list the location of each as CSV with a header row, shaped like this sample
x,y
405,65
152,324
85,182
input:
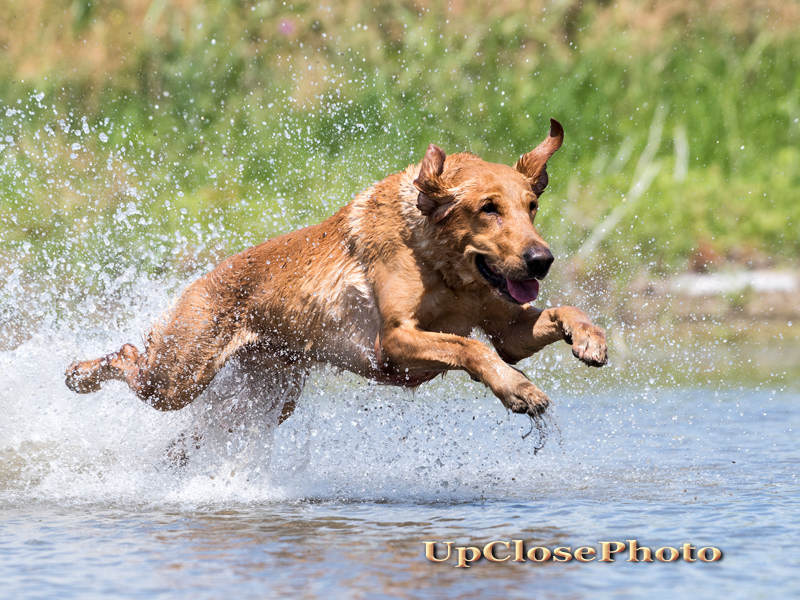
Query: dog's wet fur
x,y
390,288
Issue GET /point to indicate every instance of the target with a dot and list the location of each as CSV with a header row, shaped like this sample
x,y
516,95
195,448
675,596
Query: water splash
x,y
103,256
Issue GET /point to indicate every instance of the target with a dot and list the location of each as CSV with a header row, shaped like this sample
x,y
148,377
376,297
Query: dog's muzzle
x,y
520,291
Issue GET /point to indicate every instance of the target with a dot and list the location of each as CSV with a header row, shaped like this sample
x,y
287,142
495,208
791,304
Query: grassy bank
x,y
151,137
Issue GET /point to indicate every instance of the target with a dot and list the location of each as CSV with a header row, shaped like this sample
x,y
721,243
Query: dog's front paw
x,y
589,344
526,399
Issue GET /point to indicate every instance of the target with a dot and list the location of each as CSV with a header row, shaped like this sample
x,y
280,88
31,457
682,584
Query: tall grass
x,y
159,136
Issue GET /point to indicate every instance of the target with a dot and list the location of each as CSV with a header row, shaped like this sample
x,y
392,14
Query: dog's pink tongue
x,y
523,291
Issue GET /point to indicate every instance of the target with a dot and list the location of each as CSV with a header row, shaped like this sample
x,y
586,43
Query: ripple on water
x,y
338,500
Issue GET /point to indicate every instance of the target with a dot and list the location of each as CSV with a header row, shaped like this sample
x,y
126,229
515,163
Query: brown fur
x,y
388,288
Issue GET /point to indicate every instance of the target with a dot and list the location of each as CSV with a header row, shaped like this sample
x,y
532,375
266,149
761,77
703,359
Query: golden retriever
x,y
390,288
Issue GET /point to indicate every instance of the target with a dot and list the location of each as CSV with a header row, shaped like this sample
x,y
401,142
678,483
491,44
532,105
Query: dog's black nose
x,y
538,260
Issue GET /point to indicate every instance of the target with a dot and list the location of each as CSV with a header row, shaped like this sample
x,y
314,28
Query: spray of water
x,y
87,268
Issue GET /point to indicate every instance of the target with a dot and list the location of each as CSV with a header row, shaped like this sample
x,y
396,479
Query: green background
x,y
153,137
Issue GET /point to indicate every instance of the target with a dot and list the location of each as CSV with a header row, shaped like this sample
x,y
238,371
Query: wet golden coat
x,y
390,288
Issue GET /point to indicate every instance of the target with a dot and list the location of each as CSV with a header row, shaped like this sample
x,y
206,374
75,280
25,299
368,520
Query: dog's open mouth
x,y
519,291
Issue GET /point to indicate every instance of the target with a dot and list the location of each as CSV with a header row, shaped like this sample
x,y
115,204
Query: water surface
x,y
339,500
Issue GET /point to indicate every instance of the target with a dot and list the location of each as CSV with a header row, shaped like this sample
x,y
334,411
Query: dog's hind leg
x,y
87,376
182,355
243,407
272,382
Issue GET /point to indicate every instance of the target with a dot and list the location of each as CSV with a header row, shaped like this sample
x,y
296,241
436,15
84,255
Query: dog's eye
x,y
489,208
533,206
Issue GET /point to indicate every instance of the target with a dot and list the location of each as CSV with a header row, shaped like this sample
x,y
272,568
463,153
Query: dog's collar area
x,y
519,292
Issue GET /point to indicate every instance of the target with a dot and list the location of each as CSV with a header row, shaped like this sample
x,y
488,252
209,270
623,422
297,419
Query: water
x,y
338,501
99,217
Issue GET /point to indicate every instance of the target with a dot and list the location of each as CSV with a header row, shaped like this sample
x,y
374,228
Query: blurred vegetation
x,y
146,136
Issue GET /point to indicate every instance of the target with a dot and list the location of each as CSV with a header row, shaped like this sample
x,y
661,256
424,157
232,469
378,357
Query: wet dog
x,y
390,288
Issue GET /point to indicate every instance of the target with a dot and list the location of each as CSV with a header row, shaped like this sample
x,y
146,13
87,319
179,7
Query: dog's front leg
x,y
407,348
525,333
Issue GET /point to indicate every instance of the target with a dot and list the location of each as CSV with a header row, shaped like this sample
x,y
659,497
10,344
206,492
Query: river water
x,y
339,501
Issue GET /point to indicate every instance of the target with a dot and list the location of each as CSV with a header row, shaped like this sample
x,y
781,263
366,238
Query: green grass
x,y
222,130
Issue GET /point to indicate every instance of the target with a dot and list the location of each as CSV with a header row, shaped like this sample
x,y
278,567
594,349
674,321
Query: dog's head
x,y
486,212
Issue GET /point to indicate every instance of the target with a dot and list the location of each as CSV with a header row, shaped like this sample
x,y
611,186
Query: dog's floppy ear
x,y
434,200
534,164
